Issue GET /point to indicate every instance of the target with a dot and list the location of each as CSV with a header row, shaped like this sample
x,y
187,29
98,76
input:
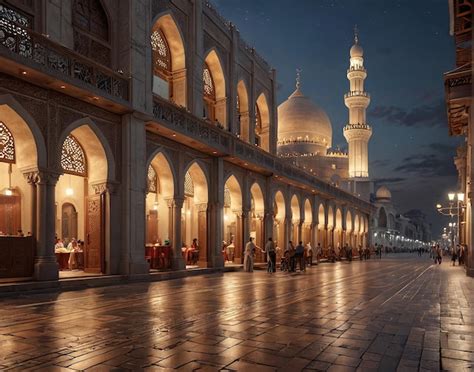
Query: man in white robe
x,y
248,255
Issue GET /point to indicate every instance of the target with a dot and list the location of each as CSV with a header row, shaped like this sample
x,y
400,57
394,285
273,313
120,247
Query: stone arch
x,y
26,132
95,145
308,212
166,23
160,159
219,110
330,221
349,227
243,110
232,224
321,216
262,121
257,212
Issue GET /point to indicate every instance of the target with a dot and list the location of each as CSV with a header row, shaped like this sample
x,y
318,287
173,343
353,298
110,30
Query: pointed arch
x,y
330,221
258,200
96,147
280,205
382,218
321,216
164,173
338,219
30,147
357,224
215,109
169,59
308,211
262,122
200,181
235,192
295,208
349,225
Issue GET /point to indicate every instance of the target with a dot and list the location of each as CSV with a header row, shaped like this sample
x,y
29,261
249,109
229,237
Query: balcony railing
x,y
357,93
27,44
183,122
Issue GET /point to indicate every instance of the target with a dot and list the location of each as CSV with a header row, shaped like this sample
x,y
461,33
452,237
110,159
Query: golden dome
x,y
299,119
383,193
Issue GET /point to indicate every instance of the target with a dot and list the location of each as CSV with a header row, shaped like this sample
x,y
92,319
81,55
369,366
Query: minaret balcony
x,y
358,93
356,73
357,99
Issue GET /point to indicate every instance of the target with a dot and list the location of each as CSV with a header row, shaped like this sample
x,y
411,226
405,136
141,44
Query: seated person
x,y
59,247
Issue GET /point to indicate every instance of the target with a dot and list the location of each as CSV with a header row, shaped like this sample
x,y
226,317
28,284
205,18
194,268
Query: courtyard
x,y
401,312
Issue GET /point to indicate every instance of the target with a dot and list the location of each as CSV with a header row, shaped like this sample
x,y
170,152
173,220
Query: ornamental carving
x,y
161,52
188,185
208,83
152,180
73,158
7,145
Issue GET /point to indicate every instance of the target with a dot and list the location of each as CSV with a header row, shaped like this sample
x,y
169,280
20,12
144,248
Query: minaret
x,y
357,132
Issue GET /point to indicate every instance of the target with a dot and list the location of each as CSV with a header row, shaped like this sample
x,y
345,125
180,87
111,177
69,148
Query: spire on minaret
x,y
298,78
356,34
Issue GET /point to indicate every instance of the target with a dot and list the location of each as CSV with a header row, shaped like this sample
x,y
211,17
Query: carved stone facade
x,y
125,122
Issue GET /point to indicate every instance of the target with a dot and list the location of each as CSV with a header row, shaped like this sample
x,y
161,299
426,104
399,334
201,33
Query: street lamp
x,y
451,211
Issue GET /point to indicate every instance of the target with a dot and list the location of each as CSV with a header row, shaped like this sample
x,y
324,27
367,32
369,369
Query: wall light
x,y
69,191
461,197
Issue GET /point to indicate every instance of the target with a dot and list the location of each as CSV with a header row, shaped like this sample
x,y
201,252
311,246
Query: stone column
x,y
133,196
287,231
244,126
46,266
32,179
195,49
300,231
215,213
232,82
179,93
175,207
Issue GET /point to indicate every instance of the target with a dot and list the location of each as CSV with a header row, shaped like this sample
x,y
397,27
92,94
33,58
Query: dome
x,y
357,51
383,193
299,119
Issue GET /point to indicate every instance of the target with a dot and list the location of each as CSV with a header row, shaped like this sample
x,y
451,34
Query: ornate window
x,y
73,158
209,90
161,53
91,30
227,198
258,126
7,145
152,180
188,185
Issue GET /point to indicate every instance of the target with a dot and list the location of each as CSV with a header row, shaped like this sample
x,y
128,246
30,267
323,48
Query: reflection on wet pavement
x,y
401,312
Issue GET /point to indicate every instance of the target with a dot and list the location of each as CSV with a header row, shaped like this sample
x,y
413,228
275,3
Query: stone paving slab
x,y
401,313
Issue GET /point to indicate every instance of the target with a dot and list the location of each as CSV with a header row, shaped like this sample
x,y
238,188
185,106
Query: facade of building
x,y
137,127
458,95
305,133
396,231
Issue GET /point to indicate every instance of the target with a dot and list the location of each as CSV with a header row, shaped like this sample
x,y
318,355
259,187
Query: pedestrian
x,y
319,253
361,252
309,254
250,248
439,255
299,256
292,253
454,255
380,251
271,256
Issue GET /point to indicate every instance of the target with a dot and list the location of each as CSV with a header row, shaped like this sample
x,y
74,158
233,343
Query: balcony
x,y
458,93
180,125
24,49
356,93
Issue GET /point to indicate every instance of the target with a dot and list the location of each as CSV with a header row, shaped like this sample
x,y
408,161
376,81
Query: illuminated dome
x,y
357,51
383,193
300,121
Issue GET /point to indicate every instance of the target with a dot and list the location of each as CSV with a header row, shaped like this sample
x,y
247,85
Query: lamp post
x,y
448,211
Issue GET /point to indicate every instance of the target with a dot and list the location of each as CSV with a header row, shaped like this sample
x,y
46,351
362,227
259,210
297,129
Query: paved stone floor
x,y
398,313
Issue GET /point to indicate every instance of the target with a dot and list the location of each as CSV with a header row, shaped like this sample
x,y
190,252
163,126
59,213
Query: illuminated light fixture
x,y
461,197
226,217
95,98
246,163
450,224
438,206
155,206
214,152
23,72
8,192
174,134
63,87
69,191
451,196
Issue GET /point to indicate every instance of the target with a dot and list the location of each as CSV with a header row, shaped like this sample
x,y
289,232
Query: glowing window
x,y
161,52
7,145
227,199
73,158
152,180
209,90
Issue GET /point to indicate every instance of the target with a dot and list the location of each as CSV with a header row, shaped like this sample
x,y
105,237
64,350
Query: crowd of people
x,y
457,253
74,247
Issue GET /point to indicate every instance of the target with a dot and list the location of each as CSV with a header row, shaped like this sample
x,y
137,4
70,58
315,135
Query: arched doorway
x,y
262,123
194,215
349,231
243,111
85,168
279,221
257,211
338,231
69,222
232,221
322,236
168,60
356,229
158,204
382,218
330,228
308,224
295,220
214,90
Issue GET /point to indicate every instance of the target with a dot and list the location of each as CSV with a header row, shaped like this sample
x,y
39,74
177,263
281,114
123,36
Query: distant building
x,y
458,95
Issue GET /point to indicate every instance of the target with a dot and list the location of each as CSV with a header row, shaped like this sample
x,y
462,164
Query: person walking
x,y
455,255
439,255
292,253
309,254
299,255
271,256
250,248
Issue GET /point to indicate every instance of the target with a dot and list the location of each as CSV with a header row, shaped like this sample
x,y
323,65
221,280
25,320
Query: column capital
x,y
47,178
107,186
176,202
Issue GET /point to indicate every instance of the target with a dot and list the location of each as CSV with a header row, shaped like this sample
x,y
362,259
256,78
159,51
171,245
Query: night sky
x,y
407,48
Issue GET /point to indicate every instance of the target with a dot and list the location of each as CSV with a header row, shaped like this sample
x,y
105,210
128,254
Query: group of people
x,y
74,247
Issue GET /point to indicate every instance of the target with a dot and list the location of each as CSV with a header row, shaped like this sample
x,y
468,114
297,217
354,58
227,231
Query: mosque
x,y
305,133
